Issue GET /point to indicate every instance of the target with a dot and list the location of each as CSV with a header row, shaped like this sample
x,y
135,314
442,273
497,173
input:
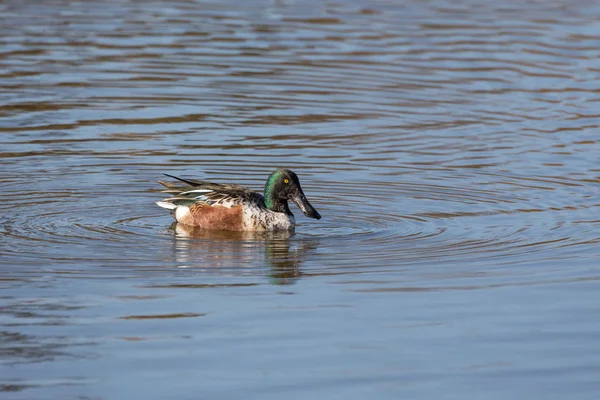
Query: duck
x,y
230,207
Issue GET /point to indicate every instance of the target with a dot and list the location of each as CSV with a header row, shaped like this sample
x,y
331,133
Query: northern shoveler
x,y
235,208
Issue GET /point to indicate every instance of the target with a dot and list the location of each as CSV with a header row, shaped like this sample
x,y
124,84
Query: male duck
x,y
235,208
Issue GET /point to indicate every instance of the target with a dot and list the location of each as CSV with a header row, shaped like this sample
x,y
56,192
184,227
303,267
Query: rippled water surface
x,y
452,148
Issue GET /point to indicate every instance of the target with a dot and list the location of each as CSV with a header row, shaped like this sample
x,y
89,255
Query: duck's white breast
x,y
260,219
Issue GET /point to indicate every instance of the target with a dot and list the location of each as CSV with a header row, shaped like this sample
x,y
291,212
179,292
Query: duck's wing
x,y
211,193
191,184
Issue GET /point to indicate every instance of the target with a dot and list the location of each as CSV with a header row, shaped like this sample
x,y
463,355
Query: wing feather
x,y
212,193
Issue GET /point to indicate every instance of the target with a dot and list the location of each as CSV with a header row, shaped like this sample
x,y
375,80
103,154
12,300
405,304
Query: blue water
x,y
451,148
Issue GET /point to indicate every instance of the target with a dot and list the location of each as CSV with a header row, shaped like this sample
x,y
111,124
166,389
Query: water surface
x,y
451,147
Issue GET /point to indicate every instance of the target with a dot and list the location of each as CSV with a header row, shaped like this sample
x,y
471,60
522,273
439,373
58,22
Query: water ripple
x,y
422,138
451,147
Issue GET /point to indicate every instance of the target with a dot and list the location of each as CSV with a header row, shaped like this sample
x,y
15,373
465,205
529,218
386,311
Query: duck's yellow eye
x,y
286,181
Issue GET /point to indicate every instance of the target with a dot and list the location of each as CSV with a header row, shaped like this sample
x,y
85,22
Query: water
x,y
451,147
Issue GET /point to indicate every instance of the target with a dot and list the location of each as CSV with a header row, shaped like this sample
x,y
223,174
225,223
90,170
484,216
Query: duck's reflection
x,y
243,252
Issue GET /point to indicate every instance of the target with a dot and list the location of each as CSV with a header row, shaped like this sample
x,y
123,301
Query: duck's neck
x,y
275,203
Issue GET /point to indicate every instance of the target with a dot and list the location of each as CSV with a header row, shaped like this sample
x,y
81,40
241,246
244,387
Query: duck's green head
x,y
284,185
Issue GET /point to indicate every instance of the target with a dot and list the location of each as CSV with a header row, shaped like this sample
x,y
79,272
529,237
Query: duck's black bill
x,y
304,206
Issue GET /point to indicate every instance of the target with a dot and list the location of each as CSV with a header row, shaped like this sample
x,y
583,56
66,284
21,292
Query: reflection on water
x,y
223,249
452,145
